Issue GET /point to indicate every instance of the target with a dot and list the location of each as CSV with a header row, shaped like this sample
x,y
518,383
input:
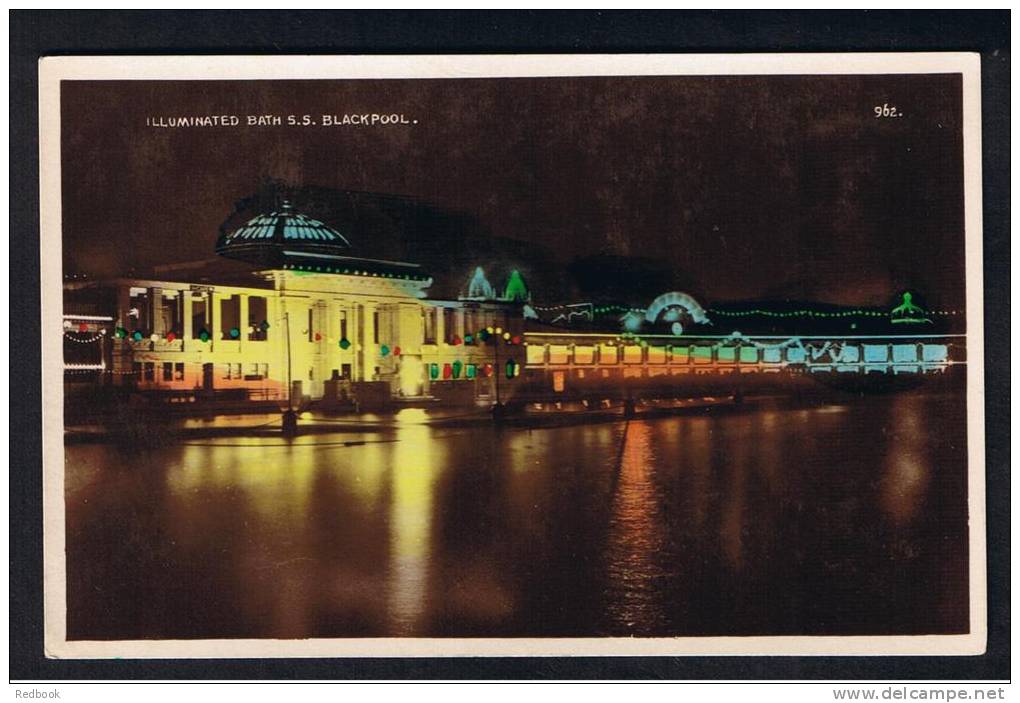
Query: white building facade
x,y
304,320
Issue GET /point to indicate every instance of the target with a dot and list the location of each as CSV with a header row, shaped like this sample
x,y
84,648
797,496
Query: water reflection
x,y
908,469
415,462
790,520
635,537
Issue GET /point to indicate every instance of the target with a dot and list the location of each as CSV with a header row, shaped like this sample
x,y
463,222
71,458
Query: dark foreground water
x,y
841,518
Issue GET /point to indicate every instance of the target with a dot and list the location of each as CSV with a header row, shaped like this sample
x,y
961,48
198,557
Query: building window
x,y
170,313
257,372
200,316
375,326
343,324
232,371
258,323
140,312
149,371
428,316
311,325
178,371
449,327
230,317
168,371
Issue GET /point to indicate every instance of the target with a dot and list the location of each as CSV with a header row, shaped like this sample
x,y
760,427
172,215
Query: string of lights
x,y
87,340
817,313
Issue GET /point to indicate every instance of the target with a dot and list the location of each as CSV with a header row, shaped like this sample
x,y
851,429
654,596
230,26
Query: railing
x,y
864,354
197,395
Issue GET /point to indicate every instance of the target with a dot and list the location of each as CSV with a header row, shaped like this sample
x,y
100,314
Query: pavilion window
x,y
449,328
199,316
171,313
343,324
139,314
230,316
257,314
375,326
429,319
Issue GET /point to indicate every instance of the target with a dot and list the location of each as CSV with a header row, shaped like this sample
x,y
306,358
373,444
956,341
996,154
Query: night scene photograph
x,y
533,356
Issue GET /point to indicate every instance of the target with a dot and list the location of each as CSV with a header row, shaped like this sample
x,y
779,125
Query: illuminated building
x,y
288,301
289,311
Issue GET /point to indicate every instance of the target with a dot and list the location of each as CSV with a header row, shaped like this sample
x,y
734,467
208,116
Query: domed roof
x,y
264,236
287,239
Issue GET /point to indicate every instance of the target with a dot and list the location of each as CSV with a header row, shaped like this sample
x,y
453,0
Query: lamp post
x,y
498,409
289,424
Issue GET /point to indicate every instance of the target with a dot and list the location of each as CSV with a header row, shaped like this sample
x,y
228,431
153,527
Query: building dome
x,y
272,237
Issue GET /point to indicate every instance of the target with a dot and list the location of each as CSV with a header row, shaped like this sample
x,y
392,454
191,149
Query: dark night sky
x,y
748,187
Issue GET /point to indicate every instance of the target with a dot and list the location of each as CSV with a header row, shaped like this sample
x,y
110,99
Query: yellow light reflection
x,y
635,536
411,375
411,416
908,469
413,472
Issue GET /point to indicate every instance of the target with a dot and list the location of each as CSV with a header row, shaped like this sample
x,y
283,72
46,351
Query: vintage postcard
x,y
512,355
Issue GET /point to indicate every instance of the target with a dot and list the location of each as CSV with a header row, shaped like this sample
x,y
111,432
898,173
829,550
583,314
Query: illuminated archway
x,y
676,301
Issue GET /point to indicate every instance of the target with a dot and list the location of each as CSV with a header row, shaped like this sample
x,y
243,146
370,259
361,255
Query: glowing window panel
x,y
584,355
748,355
559,354
772,355
536,354
875,353
904,353
936,353
633,354
701,355
727,355
656,355
559,381
680,355
796,355
608,354
850,354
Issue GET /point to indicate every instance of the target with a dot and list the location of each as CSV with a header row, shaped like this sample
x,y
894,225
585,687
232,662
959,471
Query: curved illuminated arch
x,y
676,299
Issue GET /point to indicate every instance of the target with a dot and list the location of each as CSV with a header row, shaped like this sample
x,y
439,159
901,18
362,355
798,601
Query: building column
x,y
367,342
121,348
212,315
124,308
156,311
187,329
276,340
440,324
242,322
